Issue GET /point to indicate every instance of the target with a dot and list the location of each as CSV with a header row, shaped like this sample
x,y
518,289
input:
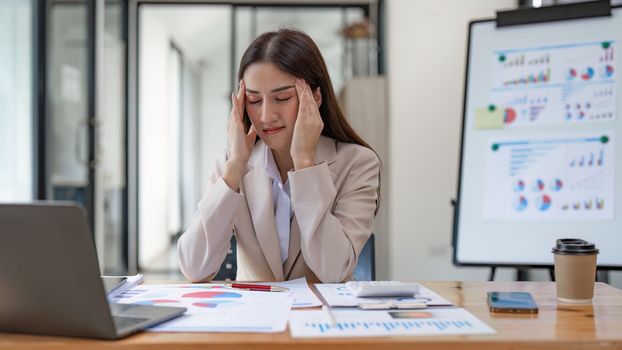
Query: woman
x,y
301,200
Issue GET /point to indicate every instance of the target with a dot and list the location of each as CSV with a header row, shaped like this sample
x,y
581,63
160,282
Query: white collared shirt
x,y
281,200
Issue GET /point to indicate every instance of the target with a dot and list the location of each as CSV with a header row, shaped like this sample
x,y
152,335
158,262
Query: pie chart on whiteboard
x,y
520,203
509,115
543,202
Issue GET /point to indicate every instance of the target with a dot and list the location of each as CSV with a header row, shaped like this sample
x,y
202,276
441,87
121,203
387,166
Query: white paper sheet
x,y
336,294
357,323
303,296
212,308
130,282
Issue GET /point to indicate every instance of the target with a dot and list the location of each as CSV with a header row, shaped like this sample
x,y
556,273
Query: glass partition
x,y
16,101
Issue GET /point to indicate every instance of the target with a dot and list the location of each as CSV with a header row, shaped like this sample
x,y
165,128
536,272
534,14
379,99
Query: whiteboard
x,y
541,153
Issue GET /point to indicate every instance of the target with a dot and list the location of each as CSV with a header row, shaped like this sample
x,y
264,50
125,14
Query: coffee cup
x,y
575,270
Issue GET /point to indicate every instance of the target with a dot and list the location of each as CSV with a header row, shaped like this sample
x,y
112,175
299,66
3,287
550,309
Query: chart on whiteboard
x,y
567,176
571,83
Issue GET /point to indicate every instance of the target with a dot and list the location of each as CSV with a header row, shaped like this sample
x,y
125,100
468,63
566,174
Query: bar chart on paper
x,y
352,323
434,326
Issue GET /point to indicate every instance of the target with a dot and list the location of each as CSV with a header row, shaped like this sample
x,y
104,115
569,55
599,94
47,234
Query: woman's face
x,y
271,103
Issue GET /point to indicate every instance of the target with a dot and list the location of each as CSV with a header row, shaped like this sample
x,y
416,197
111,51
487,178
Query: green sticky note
x,y
488,118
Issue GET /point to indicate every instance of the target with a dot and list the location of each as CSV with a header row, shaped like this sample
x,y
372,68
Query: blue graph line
x,y
546,142
549,47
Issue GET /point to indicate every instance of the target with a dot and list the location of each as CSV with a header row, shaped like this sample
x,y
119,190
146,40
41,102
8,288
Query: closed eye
x,y
283,99
254,102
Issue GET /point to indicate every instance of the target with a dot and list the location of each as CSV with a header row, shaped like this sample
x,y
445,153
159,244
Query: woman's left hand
x,y
307,129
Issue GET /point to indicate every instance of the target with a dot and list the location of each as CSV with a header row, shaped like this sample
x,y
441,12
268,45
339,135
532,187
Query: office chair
x,y
229,266
365,269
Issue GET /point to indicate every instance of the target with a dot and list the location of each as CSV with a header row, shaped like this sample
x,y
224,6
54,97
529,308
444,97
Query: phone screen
x,y
514,302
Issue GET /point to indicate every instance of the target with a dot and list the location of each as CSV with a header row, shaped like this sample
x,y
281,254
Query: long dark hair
x,y
295,53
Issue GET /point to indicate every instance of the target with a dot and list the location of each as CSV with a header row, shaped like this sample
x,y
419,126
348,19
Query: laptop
x,y
50,279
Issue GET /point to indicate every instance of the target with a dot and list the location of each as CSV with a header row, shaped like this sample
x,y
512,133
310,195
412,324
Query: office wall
x,y
426,50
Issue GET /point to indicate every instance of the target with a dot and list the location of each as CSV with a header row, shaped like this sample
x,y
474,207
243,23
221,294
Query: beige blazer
x,y
333,203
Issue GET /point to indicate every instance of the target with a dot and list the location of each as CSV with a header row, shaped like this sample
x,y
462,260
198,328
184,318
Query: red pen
x,y
257,287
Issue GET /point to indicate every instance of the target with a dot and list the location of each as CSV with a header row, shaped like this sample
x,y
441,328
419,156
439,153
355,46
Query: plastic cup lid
x,y
574,246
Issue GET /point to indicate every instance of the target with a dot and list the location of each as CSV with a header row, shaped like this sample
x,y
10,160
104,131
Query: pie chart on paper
x,y
212,304
210,294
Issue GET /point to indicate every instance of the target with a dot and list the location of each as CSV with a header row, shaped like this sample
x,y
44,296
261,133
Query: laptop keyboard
x,y
122,322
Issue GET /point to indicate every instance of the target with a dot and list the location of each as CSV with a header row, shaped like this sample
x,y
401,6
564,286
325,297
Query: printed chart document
x,y
303,296
213,308
356,323
336,294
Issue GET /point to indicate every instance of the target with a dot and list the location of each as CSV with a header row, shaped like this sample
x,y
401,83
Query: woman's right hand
x,y
240,142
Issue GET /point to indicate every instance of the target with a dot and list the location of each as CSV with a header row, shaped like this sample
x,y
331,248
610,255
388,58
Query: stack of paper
x,y
214,308
130,282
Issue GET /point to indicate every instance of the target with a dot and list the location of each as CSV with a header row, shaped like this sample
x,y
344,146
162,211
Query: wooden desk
x,y
556,327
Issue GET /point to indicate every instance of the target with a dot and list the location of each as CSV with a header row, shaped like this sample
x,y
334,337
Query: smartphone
x,y
512,302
